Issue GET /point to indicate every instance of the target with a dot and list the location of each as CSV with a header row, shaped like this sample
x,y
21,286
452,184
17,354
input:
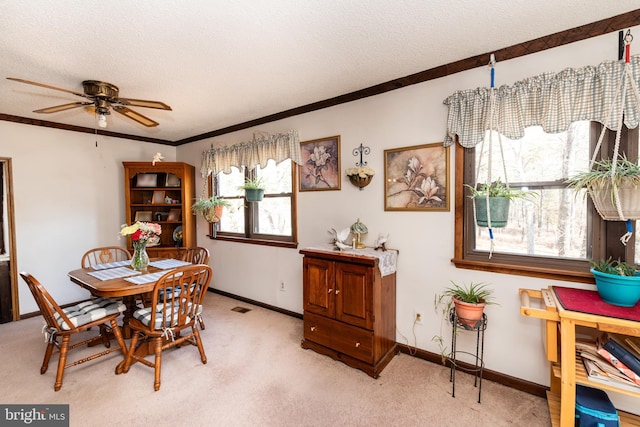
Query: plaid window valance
x,y
550,100
278,147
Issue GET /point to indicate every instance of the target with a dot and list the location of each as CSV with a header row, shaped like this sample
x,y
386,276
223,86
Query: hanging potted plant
x,y
253,189
210,208
500,196
618,282
602,181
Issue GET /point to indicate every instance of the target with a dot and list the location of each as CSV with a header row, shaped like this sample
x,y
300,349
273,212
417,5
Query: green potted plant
x,y
618,282
469,302
500,196
210,208
600,182
253,189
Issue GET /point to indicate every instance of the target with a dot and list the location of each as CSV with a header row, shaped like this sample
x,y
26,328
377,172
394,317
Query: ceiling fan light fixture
x,y
102,121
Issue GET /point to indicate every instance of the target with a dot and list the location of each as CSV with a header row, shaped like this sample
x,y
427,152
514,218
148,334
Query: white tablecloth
x,y
388,260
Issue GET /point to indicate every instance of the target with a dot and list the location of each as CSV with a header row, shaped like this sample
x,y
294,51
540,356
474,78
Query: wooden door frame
x,y
11,230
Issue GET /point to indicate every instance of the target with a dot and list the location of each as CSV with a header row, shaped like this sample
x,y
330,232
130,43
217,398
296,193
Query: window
x,y
271,221
559,231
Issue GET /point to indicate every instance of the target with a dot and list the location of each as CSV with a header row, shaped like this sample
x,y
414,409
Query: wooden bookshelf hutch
x,y
162,194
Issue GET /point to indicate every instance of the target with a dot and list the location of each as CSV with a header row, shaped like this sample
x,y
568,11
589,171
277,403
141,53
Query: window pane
x,y
274,216
555,223
276,179
538,156
228,183
232,220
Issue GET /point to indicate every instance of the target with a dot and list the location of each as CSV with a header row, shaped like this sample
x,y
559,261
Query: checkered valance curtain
x,y
250,154
550,100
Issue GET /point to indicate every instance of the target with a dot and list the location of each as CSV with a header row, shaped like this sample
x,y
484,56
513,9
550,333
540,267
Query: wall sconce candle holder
x,y
361,175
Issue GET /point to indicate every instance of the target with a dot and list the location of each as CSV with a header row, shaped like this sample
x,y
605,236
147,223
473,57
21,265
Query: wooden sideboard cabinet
x,y
162,193
349,309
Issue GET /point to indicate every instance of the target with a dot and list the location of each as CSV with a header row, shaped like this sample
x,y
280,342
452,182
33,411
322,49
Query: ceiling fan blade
x,y
62,107
144,103
46,86
135,116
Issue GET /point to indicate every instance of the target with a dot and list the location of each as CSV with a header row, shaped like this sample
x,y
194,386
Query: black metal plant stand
x,y
478,366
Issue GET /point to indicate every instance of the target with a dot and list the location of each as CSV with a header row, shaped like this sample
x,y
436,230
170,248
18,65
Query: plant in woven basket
x,y
601,182
210,207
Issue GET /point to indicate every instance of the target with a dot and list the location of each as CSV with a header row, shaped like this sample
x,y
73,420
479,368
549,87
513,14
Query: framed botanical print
x,y
417,178
320,168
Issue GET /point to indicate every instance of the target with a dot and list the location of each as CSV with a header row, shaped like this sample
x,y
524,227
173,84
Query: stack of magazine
x,y
612,360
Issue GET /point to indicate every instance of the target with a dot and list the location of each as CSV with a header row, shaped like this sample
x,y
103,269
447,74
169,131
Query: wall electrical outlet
x,y
282,286
418,317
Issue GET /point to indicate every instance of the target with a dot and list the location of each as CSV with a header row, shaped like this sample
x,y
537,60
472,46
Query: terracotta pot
x,y
468,314
214,215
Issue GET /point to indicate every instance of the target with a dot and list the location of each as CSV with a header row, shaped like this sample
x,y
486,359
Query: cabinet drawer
x,y
347,339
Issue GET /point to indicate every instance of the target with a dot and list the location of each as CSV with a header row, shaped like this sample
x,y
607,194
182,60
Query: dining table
x,y
118,280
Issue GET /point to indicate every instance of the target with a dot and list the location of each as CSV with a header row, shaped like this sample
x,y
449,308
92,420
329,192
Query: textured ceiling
x,y
219,63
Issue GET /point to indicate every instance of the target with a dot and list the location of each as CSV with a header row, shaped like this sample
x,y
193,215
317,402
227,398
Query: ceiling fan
x,y
102,97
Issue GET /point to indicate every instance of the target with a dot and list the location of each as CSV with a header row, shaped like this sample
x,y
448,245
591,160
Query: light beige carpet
x,y
257,375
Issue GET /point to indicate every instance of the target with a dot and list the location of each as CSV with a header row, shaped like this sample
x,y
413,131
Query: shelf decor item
x,y
618,282
358,229
142,233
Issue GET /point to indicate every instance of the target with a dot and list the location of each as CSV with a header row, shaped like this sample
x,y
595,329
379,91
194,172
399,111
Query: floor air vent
x,y
240,309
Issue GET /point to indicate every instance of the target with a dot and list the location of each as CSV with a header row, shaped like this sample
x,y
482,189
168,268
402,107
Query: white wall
x,y
409,116
69,197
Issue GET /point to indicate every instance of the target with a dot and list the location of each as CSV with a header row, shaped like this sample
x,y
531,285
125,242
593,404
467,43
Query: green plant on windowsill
x,y
615,267
210,207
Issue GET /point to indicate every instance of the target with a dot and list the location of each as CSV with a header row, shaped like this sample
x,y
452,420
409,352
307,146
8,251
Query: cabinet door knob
x,y
330,290
337,291
357,344
313,329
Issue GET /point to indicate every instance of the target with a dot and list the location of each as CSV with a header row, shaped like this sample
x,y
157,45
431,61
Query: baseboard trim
x,y
258,303
487,374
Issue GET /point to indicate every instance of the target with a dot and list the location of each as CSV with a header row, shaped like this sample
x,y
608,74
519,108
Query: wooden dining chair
x,y
175,307
104,255
62,323
195,255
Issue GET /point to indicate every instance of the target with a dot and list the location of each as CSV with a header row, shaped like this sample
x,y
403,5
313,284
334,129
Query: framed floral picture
x,y
417,178
320,168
